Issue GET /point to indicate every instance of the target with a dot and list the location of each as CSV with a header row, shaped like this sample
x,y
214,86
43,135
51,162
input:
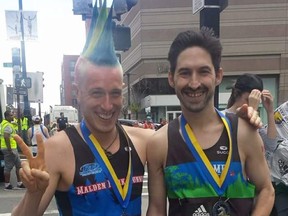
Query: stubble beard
x,y
196,107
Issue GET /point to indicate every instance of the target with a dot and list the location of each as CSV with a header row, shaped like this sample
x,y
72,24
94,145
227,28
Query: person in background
x,y
205,162
148,124
24,127
53,129
35,129
9,150
62,122
163,122
249,89
14,123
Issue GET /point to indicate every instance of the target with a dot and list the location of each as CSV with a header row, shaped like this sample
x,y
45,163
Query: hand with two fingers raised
x,y
33,172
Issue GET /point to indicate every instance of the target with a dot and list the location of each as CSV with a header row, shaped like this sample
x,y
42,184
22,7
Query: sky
x,y
60,32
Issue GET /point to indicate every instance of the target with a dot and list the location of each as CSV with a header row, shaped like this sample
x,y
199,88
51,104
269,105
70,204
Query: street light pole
x,y
24,72
210,17
128,91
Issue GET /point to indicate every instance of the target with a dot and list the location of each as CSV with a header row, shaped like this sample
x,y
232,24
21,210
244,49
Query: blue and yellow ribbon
x,y
123,194
216,181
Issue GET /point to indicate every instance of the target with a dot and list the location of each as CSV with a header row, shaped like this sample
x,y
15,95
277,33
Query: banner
x,y
281,120
13,25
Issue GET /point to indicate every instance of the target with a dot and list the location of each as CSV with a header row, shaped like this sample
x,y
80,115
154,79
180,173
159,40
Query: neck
x,y
201,119
232,109
104,138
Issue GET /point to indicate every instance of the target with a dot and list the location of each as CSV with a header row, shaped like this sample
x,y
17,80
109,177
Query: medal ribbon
x,y
123,194
206,166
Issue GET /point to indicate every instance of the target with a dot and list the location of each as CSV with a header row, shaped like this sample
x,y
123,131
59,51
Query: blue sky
x,y
59,33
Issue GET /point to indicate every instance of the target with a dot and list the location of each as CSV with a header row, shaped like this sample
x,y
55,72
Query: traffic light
x,y
122,38
43,85
122,6
43,80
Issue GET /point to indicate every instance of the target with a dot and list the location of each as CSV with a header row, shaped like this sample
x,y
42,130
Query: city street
x,y
8,199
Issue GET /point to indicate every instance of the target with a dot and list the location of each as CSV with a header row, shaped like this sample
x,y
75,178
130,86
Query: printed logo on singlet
x,y
90,169
201,211
222,150
218,167
104,185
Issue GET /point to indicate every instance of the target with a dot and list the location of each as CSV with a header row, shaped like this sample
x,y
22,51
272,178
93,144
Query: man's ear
x,y
170,79
76,87
219,76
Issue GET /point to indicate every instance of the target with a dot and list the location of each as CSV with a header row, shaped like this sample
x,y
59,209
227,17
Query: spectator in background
x,y
53,129
37,128
148,124
9,149
24,127
249,89
62,122
163,122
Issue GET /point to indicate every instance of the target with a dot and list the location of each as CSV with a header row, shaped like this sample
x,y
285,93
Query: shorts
x,y
11,159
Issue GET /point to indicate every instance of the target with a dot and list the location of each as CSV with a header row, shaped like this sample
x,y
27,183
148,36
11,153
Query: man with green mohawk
x,y
97,167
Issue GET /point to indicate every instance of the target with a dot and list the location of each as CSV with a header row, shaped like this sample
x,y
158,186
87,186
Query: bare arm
x,y
7,140
267,101
255,165
156,156
268,134
46,132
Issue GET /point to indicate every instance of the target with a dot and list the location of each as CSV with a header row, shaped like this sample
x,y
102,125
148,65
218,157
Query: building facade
x,y
67,91
253,34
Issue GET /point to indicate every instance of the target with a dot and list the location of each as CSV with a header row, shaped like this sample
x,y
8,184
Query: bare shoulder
x,y
57,148
138,134
57,143
157,147
139,138
159,140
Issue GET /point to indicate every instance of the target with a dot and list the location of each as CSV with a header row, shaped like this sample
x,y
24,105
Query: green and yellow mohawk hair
x,y
99,48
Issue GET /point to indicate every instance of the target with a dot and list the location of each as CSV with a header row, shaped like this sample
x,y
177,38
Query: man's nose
x,y
194,82
107,103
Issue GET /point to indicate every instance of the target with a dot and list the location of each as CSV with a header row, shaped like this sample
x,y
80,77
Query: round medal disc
x,y
221,208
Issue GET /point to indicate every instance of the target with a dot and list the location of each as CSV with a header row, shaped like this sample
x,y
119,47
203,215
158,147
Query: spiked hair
x,y
99,47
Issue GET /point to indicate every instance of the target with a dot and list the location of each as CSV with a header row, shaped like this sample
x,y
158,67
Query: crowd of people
x,y
224,173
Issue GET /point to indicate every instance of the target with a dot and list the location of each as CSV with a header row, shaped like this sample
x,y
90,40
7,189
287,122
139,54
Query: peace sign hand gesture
x,y
33,172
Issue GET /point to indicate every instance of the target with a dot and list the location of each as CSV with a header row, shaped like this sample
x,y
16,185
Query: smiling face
x,y
195,79
100,96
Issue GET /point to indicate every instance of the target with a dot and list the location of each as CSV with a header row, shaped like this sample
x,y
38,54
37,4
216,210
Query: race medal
x,y
123,194
219,183
221,208
124,213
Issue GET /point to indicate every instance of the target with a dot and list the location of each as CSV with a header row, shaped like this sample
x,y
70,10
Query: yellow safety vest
x,y
15,124
13,143
24,124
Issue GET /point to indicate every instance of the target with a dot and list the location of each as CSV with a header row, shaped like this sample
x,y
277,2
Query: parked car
x,y
129,122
